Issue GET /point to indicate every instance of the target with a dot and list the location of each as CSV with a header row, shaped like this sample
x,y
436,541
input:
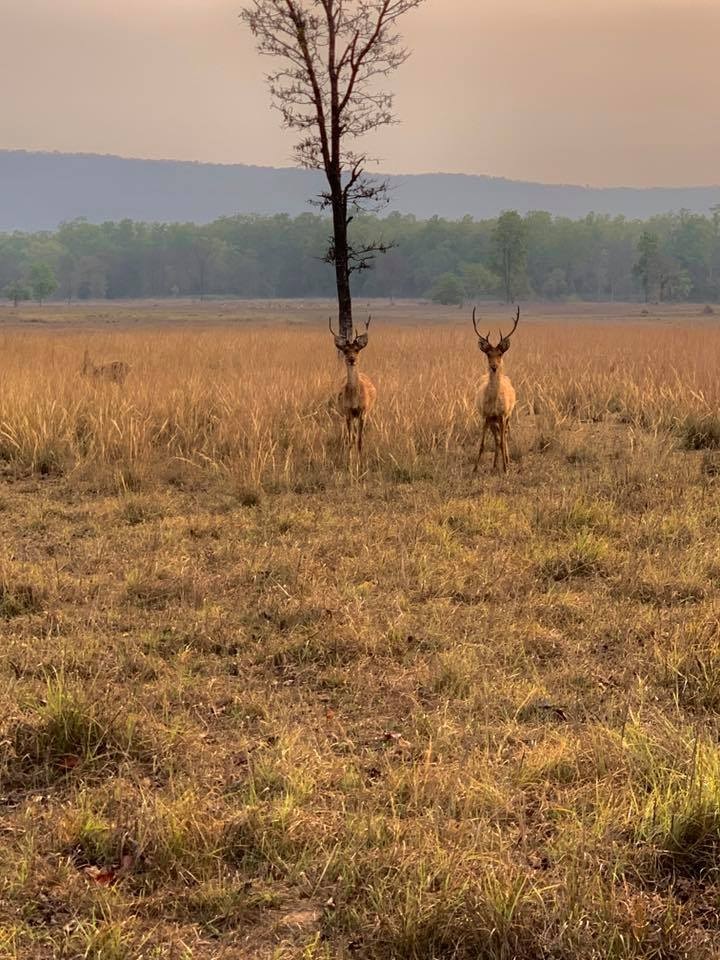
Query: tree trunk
x,y
342,266
508,280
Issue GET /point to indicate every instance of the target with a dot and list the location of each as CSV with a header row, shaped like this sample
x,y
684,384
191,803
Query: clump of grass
x,y
582,454
249,496
700,432
546,439
20,598
453,673
680,822
710,465
583,556
422,911
68,729
218,907
92,840
406,473
129,478
136,509
159,588
99,940
317,651
653,587
580,515
49,462
690,666
275,838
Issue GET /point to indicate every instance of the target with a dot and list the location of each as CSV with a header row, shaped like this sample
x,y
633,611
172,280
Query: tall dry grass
x,y
259,400
448,719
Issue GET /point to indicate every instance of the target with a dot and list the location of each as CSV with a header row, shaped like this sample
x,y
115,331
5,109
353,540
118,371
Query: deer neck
x,y
494,378
353,376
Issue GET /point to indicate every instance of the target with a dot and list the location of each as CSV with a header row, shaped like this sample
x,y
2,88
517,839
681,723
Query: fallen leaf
x,y
103,876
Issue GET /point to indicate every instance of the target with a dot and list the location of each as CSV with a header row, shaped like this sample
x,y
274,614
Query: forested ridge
x,y
38,191
670,257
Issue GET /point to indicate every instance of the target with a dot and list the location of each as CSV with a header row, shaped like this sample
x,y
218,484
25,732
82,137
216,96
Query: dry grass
x,y
253,705
253,404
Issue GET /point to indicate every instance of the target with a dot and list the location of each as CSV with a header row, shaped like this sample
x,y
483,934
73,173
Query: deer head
x,y
495,354
351,348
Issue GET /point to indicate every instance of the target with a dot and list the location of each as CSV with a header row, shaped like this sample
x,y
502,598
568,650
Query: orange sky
x,y
604,92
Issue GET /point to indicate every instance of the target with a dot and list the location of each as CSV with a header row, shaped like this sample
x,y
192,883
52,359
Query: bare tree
x,y
334,53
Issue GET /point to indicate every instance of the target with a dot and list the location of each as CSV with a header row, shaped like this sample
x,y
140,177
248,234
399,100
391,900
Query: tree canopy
x,y
672,257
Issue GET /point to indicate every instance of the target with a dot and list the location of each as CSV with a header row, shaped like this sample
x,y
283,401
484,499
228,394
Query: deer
x,y
497,399
357,396
114,372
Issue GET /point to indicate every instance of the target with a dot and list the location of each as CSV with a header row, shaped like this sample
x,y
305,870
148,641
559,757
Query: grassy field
x,y
255,704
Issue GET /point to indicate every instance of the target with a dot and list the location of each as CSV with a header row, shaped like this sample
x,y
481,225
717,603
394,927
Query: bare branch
x,y
333,56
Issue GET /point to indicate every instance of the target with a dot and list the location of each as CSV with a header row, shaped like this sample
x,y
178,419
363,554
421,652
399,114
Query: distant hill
x,y
39,190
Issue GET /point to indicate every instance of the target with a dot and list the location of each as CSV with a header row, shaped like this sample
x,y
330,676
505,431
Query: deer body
x,y
497,397
357,396
114,372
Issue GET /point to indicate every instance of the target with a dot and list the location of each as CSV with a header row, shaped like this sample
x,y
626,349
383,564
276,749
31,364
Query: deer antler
x,y
517,319
505,341
484,340
330,325
367,326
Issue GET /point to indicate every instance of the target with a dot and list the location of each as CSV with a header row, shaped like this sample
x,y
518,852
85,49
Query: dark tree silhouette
x,y
509,243
333,54
648,267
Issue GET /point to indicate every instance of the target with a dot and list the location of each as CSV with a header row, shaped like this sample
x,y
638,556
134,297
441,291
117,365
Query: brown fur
x,y
497,397
115,372
357,397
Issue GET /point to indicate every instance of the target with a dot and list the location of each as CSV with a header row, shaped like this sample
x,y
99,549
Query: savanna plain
x,y
257,702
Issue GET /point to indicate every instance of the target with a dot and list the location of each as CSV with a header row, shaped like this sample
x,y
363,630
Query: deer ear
x,y
504,345
362,341
340,343
484,345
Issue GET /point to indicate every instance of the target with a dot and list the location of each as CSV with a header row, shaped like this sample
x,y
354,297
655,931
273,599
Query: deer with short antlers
x,y
357,397
497,400
114,372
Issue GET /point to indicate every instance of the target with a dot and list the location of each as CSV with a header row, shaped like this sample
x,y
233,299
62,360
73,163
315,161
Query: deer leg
x,y
360,427
498,443
482,447
504,443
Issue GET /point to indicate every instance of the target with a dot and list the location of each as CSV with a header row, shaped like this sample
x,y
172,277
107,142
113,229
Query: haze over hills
x,y
40,190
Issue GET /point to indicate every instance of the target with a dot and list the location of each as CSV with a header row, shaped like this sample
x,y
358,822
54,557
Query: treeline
x,y
671,257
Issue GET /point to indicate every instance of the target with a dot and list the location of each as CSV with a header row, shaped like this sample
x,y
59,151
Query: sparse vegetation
x,y
249,711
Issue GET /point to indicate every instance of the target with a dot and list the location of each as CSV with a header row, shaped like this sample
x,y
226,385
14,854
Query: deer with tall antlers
x,y
115,372
497,400
357,397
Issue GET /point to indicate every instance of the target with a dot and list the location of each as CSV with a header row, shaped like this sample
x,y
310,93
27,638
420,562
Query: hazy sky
x,y
604,92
